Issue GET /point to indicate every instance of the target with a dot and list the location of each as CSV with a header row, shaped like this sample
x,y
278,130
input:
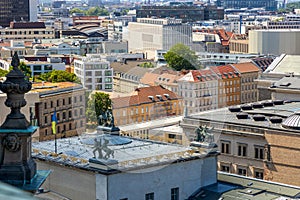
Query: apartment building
x,y
68,100
94,72
27,31
199,90
146,104
249,72
40,67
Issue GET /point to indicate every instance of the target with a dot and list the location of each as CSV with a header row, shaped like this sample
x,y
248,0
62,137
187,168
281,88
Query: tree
x,y
147,65
76,10
97,11
56,76
180,57
25,69
3,72
98,103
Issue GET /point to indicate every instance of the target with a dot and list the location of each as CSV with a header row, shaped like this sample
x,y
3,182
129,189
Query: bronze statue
x,y
97,147
204,134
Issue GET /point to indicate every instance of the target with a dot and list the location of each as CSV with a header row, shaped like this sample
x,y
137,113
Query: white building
x,y
147,35
41,67
140,169
199,90
93,72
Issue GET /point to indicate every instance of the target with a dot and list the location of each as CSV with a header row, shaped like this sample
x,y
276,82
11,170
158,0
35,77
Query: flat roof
x,y
223,115
41,87
139,153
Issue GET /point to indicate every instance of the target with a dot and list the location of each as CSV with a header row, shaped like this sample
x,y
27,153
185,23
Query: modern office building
x,y
17,10
147,35
188,13
94,72
267,4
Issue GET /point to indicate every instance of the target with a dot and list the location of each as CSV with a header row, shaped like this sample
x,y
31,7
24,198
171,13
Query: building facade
x,y
93,72
249,73
68,100
147,35
258,140
146,104
267,4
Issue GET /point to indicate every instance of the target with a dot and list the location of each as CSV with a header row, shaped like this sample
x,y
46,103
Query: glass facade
x,y
13,10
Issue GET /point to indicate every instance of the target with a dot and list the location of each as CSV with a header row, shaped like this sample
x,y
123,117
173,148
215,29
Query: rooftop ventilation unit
x,y
259,117
275,119
278,102
246,107
234,109
242,115
257,105
268,103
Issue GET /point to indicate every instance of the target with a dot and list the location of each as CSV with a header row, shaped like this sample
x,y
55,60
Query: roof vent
x,y
167,96
257,105
159,97
246,107
259,117
242,115
151,98
288,101
275,119
268,103
278,102
234,109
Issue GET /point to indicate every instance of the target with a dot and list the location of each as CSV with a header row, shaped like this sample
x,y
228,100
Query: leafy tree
x,y
58,76
147,65
97,104
76,10
97,11
25,69
180,57
3,72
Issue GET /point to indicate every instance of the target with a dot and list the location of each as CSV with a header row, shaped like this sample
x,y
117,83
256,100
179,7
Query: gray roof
x,y
225,116
288,83
130,68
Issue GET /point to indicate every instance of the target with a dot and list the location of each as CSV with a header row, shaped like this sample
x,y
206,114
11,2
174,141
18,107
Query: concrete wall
x,y
274,42
68,181
187,176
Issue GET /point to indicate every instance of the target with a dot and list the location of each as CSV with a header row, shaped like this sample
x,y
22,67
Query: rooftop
x,y
77,151
46,87
268,113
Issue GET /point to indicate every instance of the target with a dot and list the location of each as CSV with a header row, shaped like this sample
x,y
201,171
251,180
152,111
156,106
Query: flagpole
x,y
55,144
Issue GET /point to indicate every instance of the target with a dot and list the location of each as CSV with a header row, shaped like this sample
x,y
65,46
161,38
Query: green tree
x,y
97,11
147,65
25,69
180,57
3,72
76,10
59,76
98,103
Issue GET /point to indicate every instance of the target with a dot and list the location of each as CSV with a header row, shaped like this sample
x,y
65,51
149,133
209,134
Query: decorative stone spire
x,y
15,87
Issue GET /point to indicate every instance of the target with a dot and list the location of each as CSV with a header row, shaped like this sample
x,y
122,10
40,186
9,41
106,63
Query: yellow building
x,y
146,104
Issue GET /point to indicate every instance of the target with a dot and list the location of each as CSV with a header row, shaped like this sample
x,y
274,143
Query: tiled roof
x,y
246,67
130,68
149,78
226,71
145,95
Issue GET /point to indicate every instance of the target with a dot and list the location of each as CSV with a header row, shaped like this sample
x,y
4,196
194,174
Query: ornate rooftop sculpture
x,y
15,87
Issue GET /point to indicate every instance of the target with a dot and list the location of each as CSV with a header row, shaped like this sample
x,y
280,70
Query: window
x,y
57,115
46,119
149,196
57,102
46,132
80,98
64,115
64,102
124,199
70,126
45,105
81,111
70,100
225,147
259,174
70,114
242,171
242,149
108,73
175,193
51,104
259,152
225,168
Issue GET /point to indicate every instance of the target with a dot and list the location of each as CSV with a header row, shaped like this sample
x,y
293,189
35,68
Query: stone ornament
x,y
12,143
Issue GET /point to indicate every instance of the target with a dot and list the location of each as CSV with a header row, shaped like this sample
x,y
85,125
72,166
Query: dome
x,y
292,122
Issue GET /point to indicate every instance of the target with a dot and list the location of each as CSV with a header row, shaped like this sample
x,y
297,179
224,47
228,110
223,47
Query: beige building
x,y
249,73
147,35
259,140
68,99
274,41
27,31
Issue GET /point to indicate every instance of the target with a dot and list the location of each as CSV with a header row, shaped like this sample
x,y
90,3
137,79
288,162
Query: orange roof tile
x,y
149,78
226,71
246,67
145,95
